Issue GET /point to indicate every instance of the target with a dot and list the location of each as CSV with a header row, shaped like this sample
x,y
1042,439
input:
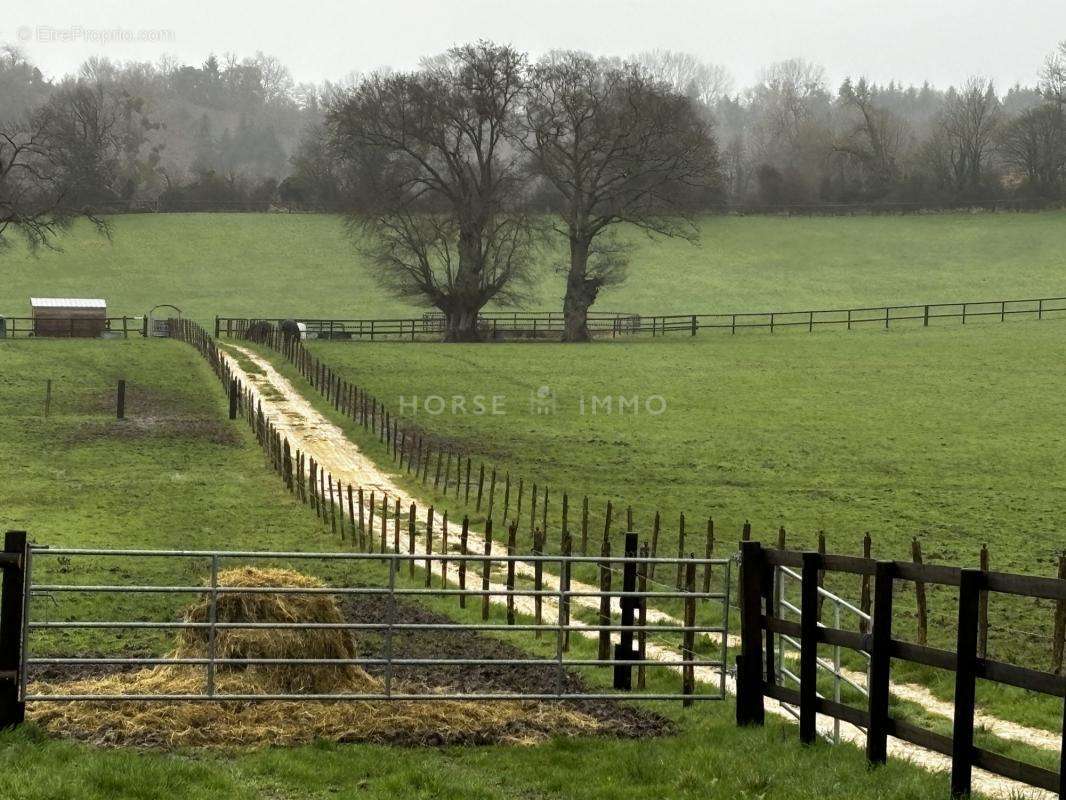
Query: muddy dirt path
x,y
296,418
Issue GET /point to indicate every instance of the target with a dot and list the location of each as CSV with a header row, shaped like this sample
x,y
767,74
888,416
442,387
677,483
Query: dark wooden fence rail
x,y
550,324
16,327
756,676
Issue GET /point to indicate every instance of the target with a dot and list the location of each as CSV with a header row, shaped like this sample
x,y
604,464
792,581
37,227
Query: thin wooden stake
x,y
604,618
462,560
982,609
708,554
654,545
444,550
920,596
680,552
486,569
688,646
429,547
512,535
411,513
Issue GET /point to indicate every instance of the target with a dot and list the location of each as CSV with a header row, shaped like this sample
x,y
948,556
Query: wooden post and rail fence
x,y
757,673
540,325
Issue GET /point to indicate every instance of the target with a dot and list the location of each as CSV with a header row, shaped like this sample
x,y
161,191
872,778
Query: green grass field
x,y
945,434
948,434
303,265
177,474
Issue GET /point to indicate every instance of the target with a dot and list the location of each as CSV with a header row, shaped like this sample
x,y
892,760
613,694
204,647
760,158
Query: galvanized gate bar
x,y
214,589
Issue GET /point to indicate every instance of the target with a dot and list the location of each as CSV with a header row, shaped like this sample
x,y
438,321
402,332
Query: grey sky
x,y
909,40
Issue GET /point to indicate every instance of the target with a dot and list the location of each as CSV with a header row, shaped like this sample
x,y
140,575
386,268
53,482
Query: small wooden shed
x,y
68,316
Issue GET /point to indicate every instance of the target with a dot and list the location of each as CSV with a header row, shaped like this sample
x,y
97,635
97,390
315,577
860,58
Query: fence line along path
x,y
609,324
295,417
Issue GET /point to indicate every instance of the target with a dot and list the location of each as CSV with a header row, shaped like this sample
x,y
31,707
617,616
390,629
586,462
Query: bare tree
x,y
439,200
874,136
1035,145
70,158
686,74
616,146
1053,84
969,125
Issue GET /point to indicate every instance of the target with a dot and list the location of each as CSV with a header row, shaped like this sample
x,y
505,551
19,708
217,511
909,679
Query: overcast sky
x,y
943,41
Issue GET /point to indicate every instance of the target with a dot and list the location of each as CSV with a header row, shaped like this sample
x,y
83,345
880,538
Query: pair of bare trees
x,y
458,169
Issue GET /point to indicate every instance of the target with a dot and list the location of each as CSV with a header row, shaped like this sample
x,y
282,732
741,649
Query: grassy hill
x,y
275,265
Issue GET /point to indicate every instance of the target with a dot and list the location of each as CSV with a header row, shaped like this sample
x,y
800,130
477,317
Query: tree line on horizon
x,y
455,174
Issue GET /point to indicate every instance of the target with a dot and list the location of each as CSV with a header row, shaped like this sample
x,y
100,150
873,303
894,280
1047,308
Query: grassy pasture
x,y
945,434
177,474
303,265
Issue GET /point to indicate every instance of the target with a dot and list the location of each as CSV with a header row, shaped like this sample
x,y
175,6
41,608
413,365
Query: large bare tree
x,y
71,157
874,137
439,199
969,126
615,146
1053,84
1035,144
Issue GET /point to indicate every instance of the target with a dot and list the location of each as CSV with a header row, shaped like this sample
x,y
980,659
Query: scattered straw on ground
x,y
203,723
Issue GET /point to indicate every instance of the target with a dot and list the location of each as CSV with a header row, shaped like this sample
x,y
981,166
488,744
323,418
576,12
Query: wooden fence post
x,y
362,521
919,595
233,399
750,703
585,526
464,533
642,609
623,651
680,551
533,512
654,544
604,618
12,609
982,609
564,528
429,547
708,554
384,521
880,663
538,580
492,494
351,517
480,485
864,595
821,573
688,639
121,400
486,568
971,582
512,541
444,549
809,613
566,548
1059,642
411,539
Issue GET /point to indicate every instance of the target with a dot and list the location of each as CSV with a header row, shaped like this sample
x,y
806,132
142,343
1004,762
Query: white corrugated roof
x,y
66,302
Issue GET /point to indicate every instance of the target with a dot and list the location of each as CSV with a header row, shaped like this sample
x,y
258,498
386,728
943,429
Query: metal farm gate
x,y
53,595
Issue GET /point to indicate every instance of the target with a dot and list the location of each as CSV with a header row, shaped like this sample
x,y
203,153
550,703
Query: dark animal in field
x,y
260,331
290,329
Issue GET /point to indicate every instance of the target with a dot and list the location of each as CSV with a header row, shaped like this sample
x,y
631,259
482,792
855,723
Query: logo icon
x,y
542,401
